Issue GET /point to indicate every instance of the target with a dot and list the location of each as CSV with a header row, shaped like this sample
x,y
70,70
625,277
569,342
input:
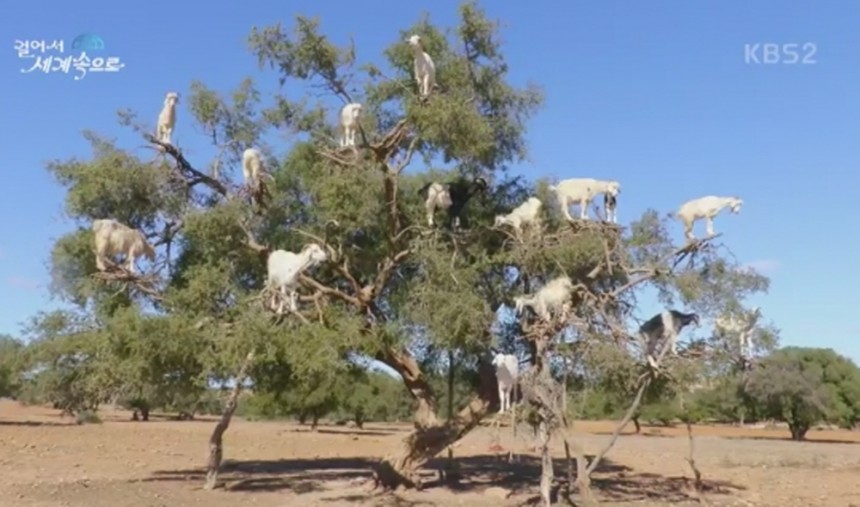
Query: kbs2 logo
x,y
771,53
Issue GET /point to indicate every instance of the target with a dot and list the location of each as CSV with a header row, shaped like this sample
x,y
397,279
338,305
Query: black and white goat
x,y
452,196
665,325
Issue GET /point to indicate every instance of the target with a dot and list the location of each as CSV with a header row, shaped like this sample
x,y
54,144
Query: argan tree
x,y
392,288
803,386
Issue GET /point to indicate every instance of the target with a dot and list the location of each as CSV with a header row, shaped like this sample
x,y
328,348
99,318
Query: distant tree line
x,y
799,386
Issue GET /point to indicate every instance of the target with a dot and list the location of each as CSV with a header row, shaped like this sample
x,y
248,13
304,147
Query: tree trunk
x,y
450,384
431,436
798,431
547,472
216,447
405,364
564,386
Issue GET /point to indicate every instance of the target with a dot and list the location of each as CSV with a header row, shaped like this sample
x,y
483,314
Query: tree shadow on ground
x,y
35,423
345,432
297,475
612,481
788,439
360,432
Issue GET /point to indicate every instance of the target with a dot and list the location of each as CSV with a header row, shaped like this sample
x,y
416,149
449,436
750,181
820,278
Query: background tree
x,y
802,386
11,351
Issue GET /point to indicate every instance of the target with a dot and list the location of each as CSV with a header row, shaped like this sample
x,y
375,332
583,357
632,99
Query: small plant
x,y
87,417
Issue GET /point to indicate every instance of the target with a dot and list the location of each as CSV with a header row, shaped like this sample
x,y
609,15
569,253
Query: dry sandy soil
x,y
47,461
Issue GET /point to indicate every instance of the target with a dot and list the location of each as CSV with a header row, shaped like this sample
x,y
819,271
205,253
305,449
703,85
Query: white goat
x,y
253,171
553,297
167,118
252,167
437,197
507,375
425,69
705,207
581,191
113,238
284,269
743,326
527,213
349,123
668,325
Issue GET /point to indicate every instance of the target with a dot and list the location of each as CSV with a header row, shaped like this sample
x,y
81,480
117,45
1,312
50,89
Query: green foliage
x,y
802,386
11,352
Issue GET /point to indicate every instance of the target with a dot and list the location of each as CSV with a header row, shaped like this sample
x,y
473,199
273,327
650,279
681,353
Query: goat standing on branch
x,y
167,118
666,325
743,326
527,213
507,375
450,196
552,297
425,69
349,116
284,269
113,238
705,207
581,191
253,171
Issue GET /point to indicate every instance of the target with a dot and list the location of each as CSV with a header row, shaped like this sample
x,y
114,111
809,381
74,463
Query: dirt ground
x,y
47,461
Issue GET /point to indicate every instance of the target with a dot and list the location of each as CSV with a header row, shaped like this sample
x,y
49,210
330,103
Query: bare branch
x,y
143,283
408,158
329,291
186,167
679,254
252,243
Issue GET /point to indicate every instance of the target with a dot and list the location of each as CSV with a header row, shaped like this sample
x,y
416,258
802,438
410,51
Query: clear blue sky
x,y
655,94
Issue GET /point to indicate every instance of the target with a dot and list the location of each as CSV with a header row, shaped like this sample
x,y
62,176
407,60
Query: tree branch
x,y
358,303
408,158
186,167
679,254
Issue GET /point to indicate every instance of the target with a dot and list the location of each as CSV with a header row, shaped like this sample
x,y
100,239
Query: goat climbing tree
x,y
393,288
